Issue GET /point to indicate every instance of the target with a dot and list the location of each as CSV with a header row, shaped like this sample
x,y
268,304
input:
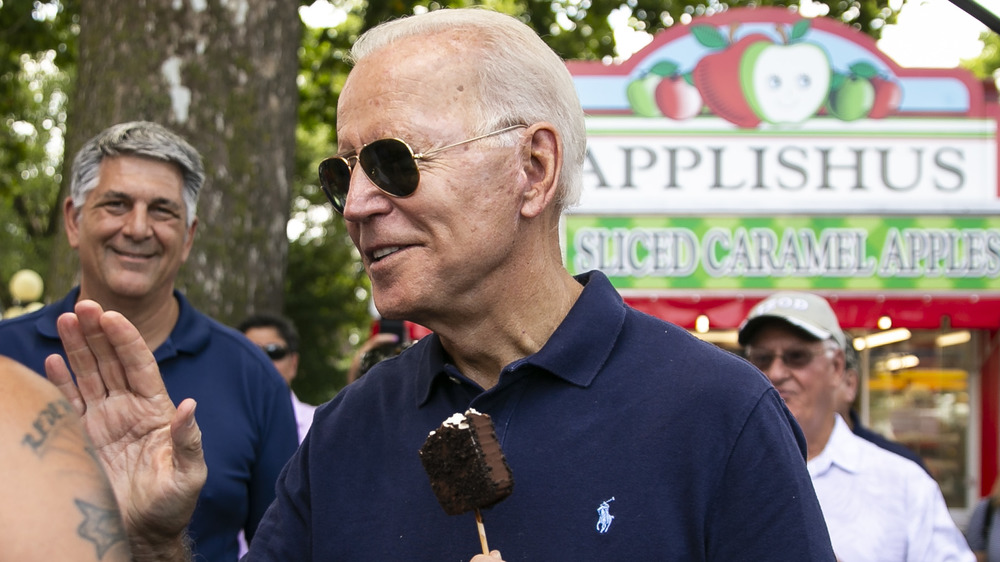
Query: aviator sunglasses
x,y
390,164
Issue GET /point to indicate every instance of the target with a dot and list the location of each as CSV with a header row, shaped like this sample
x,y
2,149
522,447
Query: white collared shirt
x,y
880,506
303,415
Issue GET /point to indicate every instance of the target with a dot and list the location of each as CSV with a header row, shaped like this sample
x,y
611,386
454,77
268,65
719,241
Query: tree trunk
x,y
223,75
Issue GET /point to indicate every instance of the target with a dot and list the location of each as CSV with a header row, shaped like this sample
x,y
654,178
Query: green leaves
x,y
798,30
710,36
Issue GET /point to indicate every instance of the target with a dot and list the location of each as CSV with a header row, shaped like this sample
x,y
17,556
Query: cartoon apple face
x,y
785,84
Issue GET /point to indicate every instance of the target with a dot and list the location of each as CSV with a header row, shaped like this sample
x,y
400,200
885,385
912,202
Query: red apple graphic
x,y
641,91
717,77
678,99
888,95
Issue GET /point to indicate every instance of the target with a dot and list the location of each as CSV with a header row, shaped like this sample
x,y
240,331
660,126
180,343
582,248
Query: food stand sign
x,y
756,148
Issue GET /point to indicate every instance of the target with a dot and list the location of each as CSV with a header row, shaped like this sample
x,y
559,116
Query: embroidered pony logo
x,y
604,518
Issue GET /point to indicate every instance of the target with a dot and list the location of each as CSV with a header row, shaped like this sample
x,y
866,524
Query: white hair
x,y
521,79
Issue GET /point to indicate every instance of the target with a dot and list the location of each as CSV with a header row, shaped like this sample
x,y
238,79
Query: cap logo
x,y
787,303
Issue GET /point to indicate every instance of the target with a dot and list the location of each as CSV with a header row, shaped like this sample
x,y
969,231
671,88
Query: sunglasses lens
x,y
335,179
797,359
761,360
275,351
390,165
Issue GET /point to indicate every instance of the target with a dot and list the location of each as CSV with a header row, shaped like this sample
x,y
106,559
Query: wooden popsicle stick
x,y
482,532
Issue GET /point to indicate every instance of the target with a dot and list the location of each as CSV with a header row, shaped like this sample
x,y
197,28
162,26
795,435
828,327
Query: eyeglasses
x,y
275,351
390,164
793,359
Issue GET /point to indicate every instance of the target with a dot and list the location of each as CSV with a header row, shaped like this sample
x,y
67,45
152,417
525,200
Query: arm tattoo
x,y
50,434
101,526
47,424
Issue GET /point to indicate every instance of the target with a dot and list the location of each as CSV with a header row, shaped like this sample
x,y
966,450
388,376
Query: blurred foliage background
x,y
326,291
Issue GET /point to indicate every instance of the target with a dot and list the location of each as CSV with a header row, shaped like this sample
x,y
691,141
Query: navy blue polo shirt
x,y
884,442
244,412
628,439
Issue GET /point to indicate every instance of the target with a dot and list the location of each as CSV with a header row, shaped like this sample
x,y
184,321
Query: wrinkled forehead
x,y
139,177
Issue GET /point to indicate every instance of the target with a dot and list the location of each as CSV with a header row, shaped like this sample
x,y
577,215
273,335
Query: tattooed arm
x,y
57,502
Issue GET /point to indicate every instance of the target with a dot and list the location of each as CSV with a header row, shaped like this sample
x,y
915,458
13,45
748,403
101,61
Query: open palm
x,y
150,449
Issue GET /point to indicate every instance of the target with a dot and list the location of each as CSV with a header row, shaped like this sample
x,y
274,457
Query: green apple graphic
x,y
864,91
641,92
640,95
785,84
851,97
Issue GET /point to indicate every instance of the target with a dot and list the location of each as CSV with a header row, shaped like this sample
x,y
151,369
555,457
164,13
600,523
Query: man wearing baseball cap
x,y
877,504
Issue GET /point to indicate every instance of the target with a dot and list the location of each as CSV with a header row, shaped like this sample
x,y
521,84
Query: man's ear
x,y
849,379
851,382
542,165
840,360
71,217
294,358
189,240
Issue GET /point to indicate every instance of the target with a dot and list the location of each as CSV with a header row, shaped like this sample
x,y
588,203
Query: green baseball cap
x,y
808,312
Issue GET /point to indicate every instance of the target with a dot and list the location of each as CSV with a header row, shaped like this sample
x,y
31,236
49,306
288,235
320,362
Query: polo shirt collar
x,y
46,323
190,335
841,450
582,343
575,352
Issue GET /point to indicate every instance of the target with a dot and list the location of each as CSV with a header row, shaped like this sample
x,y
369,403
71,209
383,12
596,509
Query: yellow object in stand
x,y
931,379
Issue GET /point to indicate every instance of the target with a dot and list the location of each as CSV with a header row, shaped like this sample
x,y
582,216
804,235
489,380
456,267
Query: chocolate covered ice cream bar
x,y
466,467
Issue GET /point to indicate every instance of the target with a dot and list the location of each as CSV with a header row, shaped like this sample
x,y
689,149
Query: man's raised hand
x,y
150,449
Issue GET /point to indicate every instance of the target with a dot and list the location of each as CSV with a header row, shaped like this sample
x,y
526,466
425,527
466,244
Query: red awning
x,y
853,312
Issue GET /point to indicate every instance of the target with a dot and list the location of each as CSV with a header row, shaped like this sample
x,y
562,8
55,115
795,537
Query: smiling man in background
x,y
131,216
